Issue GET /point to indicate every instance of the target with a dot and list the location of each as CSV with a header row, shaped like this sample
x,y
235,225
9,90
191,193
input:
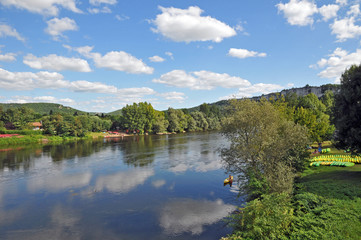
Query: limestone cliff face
x,y
303,91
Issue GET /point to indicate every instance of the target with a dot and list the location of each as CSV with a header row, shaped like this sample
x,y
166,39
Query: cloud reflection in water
x,y
123,182
59,182
189,215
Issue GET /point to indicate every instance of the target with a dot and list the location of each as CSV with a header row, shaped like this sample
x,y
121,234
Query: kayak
x,y
227,180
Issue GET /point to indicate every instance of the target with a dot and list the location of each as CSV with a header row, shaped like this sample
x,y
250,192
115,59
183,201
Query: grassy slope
x,y
42,108
328,204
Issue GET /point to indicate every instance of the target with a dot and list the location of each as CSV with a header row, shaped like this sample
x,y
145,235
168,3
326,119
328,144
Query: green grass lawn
x,y
333,182
328,203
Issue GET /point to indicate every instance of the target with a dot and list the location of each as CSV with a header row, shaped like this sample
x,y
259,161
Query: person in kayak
x,y
230,180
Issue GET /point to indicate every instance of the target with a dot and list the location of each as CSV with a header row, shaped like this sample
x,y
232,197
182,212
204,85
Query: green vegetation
x,y
319,202
138,118
266,149
42,108
347,111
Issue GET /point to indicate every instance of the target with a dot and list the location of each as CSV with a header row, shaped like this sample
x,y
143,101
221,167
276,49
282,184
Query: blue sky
x,y
100,55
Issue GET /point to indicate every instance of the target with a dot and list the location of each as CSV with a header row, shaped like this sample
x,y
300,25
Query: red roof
x,y
36,124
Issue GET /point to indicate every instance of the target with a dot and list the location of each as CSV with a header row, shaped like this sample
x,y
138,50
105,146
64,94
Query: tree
x,y
160,124
308,111
139,117
173,120
265,149
328,99
18,117
204,108
347,111
201,122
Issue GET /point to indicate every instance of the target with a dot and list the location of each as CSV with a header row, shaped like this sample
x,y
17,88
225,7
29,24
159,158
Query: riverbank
x,y
36,139
325,204
14,138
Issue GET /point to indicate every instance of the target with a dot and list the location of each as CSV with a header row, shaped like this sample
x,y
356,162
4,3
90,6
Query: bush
x,y
266,218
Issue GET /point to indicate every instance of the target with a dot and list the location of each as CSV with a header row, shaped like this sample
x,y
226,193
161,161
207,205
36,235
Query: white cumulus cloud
x,y
337,63
177,96
135,92
50,99
298,12
50,80
329,11
98,2
45,7
345,29
255,89
187,25
354,10
201,80
114,60
121,61
341,2
244,53
57,26
8,57
8,31
104,9
57,63
86,86
170,55
156,59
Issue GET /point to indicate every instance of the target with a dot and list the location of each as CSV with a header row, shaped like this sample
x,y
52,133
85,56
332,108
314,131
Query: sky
x,y
100,55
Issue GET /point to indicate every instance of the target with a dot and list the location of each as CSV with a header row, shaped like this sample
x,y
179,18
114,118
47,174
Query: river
x,y
143,187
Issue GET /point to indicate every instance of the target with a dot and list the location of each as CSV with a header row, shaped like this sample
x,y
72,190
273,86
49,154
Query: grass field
x,y
328,203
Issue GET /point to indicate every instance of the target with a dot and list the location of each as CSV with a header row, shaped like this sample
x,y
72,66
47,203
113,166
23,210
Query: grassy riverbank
x,y
33,137
326,204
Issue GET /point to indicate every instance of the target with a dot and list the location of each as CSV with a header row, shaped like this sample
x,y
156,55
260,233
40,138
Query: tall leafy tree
x,y
160,124
138,117
173,120
347,111
265,148
204,108
201,121
328,99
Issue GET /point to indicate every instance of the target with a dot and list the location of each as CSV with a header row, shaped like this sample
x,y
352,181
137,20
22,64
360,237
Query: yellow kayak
x,y
227,180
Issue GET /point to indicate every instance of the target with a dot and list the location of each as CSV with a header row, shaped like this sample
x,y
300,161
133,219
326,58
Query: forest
x,y
142,118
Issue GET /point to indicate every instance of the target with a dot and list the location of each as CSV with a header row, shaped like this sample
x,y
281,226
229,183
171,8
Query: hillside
x,y
43,108
117,112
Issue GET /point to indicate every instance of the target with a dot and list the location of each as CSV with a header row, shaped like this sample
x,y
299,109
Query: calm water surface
x,y
147,187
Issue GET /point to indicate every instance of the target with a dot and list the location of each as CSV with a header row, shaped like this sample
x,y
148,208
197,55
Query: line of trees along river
x,y
142,118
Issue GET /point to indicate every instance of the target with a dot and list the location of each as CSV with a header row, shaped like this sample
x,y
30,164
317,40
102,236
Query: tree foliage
x,y
266,218
347,111
265,149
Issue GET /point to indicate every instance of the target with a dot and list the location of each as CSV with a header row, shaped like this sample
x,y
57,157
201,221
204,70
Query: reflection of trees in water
x,y
196,151
179,152
138,151
74,149
19,157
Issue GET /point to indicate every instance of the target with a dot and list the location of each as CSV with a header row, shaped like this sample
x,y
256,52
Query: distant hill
x,y
117,112
302,91
43,108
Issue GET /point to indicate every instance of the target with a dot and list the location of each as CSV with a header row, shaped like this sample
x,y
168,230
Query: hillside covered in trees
x,y
141,118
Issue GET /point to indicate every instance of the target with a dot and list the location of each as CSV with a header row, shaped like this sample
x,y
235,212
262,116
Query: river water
x,y
144,187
